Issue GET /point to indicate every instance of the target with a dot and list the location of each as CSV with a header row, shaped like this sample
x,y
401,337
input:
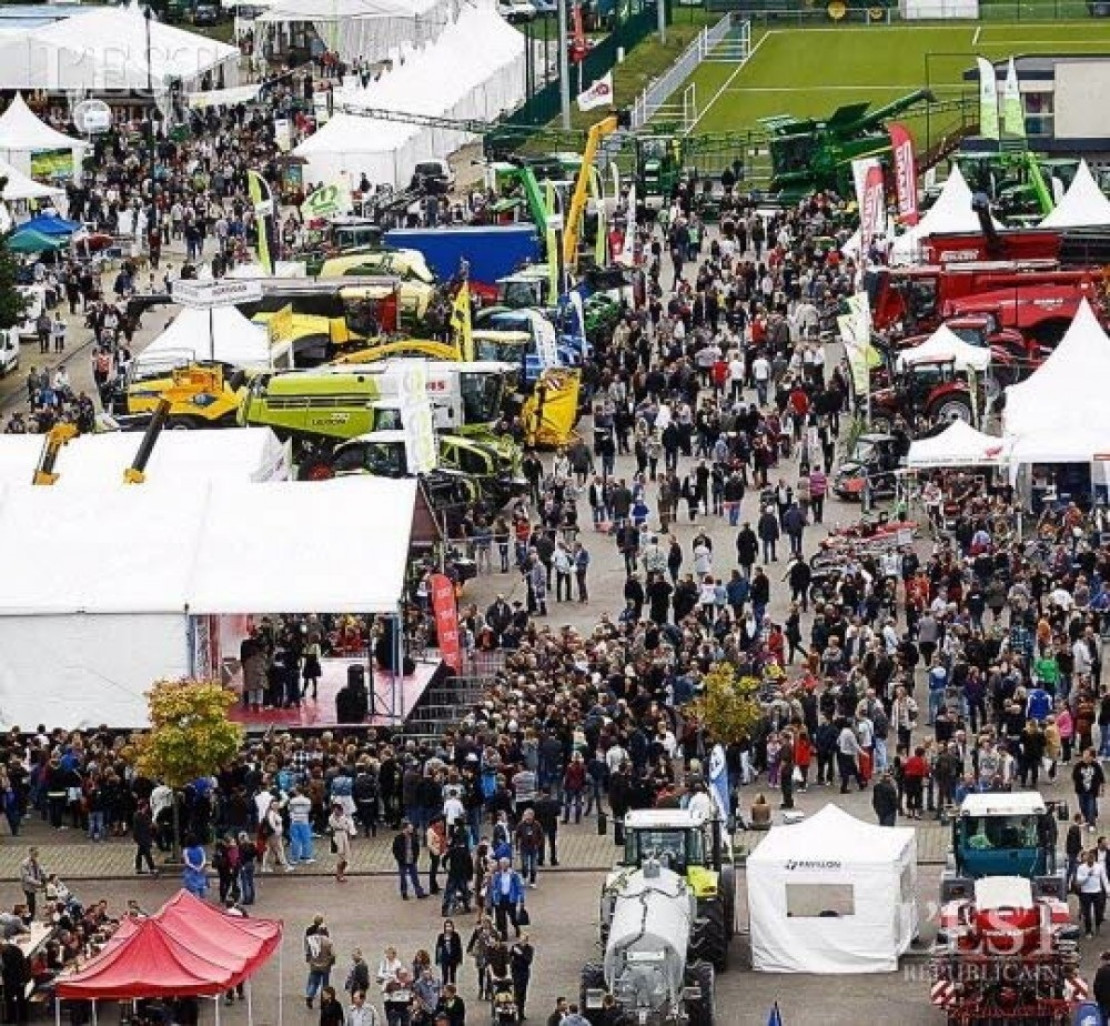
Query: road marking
x,y
975,38
731,78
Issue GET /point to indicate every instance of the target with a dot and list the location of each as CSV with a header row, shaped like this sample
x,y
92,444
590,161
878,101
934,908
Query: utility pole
x,y
661,12
564,67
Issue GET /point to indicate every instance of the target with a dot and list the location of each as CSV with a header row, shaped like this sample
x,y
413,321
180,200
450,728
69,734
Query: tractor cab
x,y
1003,834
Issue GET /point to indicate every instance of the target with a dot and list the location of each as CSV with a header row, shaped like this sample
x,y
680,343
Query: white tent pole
x,y
281,985
250,1003
94,1011
216,999
57,1011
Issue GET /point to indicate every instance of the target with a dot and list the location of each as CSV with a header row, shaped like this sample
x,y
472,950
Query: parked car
x,y
206,15
514,11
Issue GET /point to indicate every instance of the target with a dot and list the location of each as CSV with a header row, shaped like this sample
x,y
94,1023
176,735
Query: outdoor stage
x,y
317,713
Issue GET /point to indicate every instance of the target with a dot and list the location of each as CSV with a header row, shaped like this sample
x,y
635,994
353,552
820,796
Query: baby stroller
x,y
503,1010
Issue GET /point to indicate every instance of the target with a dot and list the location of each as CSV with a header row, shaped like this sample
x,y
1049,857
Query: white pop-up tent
x,y
952,212
945,344
1068,391
186,459
959,445
222,334
832,895
23,133
1083,205
88,622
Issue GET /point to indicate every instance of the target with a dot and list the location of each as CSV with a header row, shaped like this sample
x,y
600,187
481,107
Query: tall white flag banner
x,y
600,94
718,782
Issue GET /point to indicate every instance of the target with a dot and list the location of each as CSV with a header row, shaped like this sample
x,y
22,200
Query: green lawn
x,y
811,72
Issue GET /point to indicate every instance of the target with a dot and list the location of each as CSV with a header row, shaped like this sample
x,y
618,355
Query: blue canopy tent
x,y
49,224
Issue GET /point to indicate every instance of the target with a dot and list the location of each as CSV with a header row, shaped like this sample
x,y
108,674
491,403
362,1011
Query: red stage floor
x,y
320,712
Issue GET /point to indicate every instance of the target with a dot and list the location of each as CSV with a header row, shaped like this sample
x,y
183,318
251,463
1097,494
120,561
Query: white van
x,y
9,351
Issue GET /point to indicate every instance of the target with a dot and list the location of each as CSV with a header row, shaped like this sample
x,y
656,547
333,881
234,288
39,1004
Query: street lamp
x,y
148,15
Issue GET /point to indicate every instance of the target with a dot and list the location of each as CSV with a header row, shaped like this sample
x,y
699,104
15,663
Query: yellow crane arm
x,y
52,443
607,126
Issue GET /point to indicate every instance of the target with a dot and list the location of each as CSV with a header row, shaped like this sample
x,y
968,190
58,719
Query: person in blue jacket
x,y
505,897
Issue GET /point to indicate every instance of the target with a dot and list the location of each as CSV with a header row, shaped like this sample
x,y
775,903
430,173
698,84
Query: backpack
x,y
880,724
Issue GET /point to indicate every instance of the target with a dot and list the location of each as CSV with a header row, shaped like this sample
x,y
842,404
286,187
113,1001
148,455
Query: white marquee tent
x,y
370,29
187,459
1068,391
106,50
1083,205
18,186
950,213
832,895
945,344
23,133
959,445
474,70
85,627
222,334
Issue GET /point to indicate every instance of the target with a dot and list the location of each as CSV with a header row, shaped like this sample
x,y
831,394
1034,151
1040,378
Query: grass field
x,y
810,72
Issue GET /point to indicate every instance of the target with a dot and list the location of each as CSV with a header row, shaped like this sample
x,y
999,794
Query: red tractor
x,y
1013,357
932,389
1004,957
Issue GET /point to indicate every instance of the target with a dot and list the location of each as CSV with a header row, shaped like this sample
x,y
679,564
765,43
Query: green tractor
x,y
698,849
659,163
810,155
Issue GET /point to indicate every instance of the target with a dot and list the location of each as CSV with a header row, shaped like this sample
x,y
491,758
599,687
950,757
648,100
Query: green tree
x,y
729,704
190,734
12,302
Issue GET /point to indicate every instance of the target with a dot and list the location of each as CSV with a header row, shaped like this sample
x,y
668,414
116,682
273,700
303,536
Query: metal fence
x,y
654,98
831,13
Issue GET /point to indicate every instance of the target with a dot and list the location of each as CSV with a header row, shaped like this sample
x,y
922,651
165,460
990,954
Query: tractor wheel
x,y
709,941
318,468
182,424
952,409
592,978
701,1012
727,885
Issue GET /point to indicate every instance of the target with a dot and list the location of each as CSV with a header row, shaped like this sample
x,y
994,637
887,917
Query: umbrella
x,y
28,240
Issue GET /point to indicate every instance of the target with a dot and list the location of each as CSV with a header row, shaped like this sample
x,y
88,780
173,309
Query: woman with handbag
x,y
341,828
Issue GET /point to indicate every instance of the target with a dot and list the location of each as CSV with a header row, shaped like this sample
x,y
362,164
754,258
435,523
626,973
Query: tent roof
x,y
188,948
1083,205
29,240
338,10
228,338
1069,388
958,445
49,224
186,459
22,130
943,344
831,835
106,49
221,548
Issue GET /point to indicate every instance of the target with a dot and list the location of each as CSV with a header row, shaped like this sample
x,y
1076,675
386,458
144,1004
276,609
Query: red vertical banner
x,y
905,173
872,214
578,36
447,620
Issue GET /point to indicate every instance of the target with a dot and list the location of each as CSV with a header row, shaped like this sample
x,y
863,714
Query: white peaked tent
x,y
1069,389
945,344
951,213
1083,205
832,895
222,334
22,133
959,445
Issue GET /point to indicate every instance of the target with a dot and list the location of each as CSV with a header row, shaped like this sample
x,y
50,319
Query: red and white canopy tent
x,y
187,949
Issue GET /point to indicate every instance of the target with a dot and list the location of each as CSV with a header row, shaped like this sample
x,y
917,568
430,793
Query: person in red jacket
x,y
803,755
914,773
574,785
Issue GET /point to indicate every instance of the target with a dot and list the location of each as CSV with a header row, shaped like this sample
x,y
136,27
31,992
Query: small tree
x,y
12,302
729,704
190,735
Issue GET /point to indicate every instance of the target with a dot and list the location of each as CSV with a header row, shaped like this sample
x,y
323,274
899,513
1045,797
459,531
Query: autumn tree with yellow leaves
x,y
728,706
190,734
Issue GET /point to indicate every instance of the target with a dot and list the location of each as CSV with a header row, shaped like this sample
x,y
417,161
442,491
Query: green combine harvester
x,y
810,155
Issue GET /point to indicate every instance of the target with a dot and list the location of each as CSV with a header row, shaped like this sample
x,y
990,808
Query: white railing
x,y
654,98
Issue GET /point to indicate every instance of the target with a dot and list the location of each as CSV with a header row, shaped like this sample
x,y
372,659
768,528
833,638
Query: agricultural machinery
x,y
646,976
698,850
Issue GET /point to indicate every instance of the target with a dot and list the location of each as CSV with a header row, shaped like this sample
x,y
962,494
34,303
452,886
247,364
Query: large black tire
x,y
316,468
592,978
701,1012
727,889
709,941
